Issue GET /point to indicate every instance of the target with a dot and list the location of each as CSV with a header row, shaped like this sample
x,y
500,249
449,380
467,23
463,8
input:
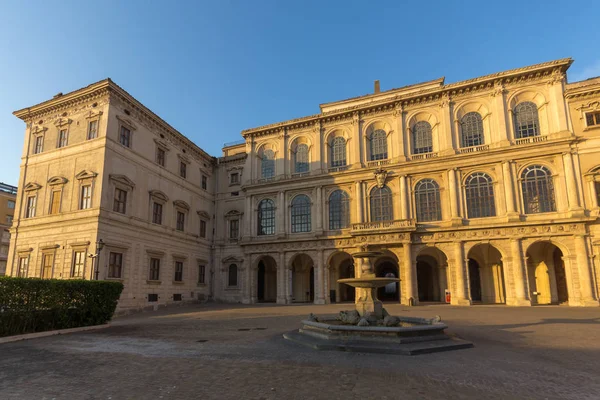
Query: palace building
x,y
480,191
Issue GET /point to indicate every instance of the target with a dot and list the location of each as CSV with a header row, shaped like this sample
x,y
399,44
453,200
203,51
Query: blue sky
x,y
211,69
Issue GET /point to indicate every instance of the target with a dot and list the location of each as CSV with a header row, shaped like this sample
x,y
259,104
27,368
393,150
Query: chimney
x,y
377,89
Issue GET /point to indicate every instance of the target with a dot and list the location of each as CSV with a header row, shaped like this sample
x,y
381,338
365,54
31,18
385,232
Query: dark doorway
x,y
561,277
426,282
347,292
261,282
390,292
312,284
474,280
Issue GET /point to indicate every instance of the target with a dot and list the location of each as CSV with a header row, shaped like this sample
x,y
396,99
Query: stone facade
x,y
476,191
8,198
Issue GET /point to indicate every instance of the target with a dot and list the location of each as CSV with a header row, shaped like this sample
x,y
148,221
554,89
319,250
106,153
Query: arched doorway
x,y
266,287
386,266
303,279
432,280
546,274
341,266
486,274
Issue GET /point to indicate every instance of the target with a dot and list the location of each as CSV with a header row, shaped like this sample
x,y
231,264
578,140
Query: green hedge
x,y
34,305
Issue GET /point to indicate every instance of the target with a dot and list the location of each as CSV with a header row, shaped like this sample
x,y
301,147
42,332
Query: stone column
x,y
519,275
410,275
252,281
319,209
357,142
461,297
248,217
556,92
252,212
572,191
454,207
326,283
280,215
319,298
403,198
246,291
281,279
511,210
359,202
585,275
318,163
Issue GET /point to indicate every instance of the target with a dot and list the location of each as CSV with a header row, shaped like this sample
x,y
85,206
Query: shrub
x,y
34,305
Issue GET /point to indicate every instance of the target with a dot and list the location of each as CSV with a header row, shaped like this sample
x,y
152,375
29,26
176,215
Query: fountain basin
x,y
367,282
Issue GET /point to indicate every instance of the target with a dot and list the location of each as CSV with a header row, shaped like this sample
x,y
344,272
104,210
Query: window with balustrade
x,y
378,145
300,214
338,152
381,204
267,164
339,210
538,190
526,120
427,201
479,193
422,138
472,129
266,217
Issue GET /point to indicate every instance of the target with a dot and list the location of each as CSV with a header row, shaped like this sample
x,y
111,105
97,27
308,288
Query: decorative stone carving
x,y
380,177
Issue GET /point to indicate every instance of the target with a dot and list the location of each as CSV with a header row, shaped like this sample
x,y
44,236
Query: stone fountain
x,y
369,328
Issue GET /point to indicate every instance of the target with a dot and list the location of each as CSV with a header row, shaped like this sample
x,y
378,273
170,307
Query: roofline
x,y
562,63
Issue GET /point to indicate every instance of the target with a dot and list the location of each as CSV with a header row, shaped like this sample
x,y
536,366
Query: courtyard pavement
x,y
215,351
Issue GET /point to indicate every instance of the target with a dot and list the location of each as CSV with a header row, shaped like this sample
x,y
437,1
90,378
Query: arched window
x,y
480,196
427,199
266,217
381,204
472,129
338,152
422,141
268,164
538,190
526,120
301,158
379,145
301,214
233,275
339,210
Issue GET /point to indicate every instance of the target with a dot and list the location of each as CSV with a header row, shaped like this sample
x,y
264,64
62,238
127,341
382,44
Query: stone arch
x,y
265,273
387,265
341,265
329,137
429,116
302,269
370,129
548,272
432,274
534,96
486,274
479,106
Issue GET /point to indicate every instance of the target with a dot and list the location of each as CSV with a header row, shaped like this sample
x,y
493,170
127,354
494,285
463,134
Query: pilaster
x,y
519,276
454,207
410,267
461,297
319,286
585,276
575,208
511,211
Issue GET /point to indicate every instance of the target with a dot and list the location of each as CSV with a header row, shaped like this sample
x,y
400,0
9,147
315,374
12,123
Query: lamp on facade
x,y
94,257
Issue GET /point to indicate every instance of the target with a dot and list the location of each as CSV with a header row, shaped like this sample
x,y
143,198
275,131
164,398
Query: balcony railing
x,y
300,174
378,163
378,226
532,139
424,156
473,149
338,169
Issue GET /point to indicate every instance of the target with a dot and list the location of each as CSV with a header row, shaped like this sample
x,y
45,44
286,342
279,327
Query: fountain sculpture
x,y
369,328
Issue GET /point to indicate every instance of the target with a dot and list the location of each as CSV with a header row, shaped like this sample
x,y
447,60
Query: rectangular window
x,y
157,213
201,274
152,297
177,297
9,219
39,145
120,203
92,130
62,138
182,169
180,220
23,265
10,204
30,210
202,228
47,263
55,201
125,137
160,156
204,182
178,271
154,269
592,119
115,265
235,178
78,264
234,228
86,197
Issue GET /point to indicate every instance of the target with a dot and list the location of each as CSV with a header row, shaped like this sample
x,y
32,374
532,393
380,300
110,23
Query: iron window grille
x,y
266,217
538,190
480,196
381,204
422,138
300,214
339,210
427,199
526,120
472,129
379,149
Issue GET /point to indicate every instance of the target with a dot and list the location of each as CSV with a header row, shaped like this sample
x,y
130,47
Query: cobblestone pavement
x,y
237,352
